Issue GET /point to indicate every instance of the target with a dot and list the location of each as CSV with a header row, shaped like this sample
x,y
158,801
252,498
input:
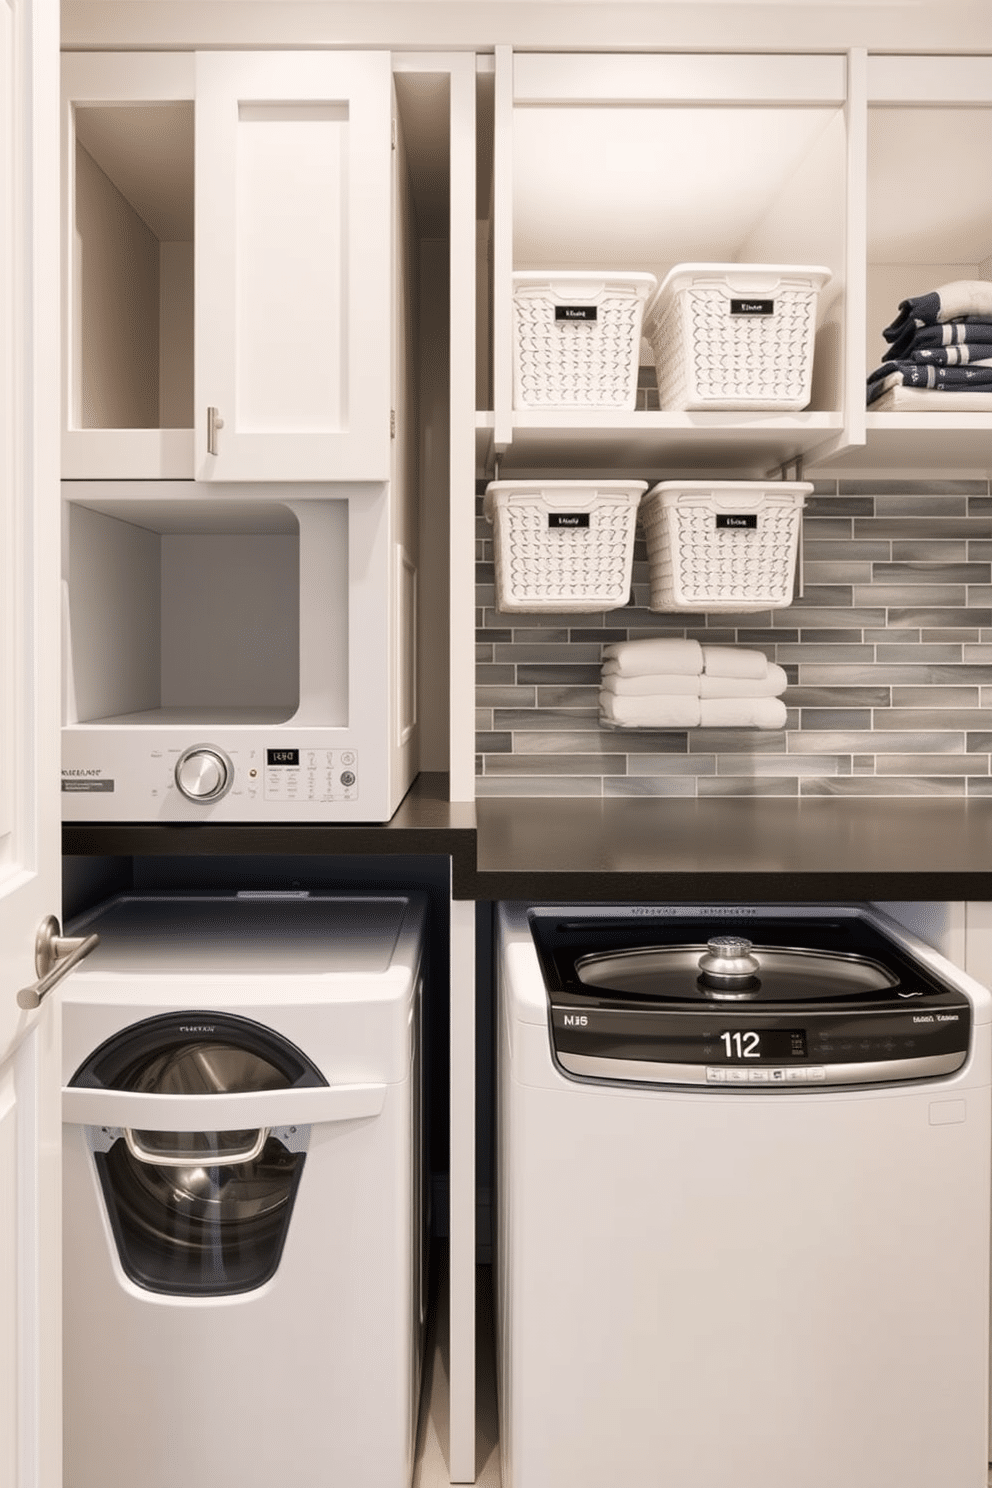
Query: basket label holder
x,y
568,519
576,312
737,520
752,307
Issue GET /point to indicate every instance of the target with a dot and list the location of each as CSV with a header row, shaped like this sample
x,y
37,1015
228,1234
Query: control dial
x,y
204,773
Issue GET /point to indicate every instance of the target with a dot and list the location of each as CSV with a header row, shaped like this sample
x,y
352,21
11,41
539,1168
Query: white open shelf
x,y
637,163
652,443
928,222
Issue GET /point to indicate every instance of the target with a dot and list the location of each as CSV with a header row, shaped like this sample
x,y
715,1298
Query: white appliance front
x,y
244,1287
246,655
727,1283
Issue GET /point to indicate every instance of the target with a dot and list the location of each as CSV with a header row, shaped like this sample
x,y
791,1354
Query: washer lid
x,y
248,934
710,972
719,957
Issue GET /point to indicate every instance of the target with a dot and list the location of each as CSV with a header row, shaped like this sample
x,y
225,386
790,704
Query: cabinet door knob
x,y
54,956
214,422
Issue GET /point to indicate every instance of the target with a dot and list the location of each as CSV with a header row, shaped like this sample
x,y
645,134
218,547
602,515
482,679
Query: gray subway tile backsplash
x,y
888,654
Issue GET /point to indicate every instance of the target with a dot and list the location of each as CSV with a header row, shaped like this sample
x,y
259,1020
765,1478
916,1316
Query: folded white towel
x,y
765,713
774,682
654,684
667,655
926,400
734,661
649,712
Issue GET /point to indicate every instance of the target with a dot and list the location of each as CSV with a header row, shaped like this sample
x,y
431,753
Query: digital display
x,y
282,756
764,1043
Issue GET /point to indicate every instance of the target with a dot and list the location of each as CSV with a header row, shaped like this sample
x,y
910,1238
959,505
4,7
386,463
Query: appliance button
x,y
713,1074
737,1076
777,1076
758,1077
817,1073
796,1076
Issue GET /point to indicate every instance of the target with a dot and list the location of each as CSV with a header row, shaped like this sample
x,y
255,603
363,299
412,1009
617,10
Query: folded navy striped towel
x,y
965,329
973,354
960,297
912,374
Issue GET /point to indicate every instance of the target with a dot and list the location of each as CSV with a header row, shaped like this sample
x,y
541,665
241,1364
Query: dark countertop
x,y
761,849
757,849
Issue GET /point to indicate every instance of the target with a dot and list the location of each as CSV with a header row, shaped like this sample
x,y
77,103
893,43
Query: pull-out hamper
x,y
577,338
723,545
735,336
563,546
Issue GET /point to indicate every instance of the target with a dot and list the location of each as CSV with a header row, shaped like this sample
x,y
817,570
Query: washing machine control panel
x,y
777,1004
754,1050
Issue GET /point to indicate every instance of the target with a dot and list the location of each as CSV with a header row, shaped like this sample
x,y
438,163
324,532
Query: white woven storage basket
x,y
723,545
735,336
577,339
563,546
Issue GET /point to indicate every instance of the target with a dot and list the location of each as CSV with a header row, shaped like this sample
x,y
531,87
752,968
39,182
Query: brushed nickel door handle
x,y
214,422
55,955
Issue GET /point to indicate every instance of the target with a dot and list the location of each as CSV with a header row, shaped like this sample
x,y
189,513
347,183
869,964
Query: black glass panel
x,y
200,1230
202,1213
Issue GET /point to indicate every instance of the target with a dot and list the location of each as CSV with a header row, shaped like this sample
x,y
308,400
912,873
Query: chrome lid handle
x,y
55,956
729,956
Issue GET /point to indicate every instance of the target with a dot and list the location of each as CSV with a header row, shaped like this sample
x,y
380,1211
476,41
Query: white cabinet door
x,y
30,1254
293,223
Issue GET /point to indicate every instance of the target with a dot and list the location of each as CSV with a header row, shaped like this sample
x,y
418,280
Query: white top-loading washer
x,y
243,1195
743,1231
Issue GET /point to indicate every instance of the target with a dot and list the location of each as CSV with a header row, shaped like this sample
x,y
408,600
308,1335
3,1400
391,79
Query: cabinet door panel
x,y
30,1187
292,266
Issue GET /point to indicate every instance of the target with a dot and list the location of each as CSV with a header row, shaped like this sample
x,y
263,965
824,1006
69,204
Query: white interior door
x,y
292,265
30,1270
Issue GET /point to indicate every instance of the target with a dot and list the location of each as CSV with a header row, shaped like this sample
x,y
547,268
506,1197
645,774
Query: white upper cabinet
x,y
227,266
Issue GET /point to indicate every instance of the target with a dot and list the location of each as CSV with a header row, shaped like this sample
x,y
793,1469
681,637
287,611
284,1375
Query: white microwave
x,y
248,655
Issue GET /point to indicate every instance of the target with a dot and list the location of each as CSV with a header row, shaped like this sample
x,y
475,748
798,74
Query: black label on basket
x,y
752,307
737,519
576,312
568,519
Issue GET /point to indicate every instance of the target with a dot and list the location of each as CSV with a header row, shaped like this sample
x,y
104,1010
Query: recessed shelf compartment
x,y
929,120
128,295
183,612
638,163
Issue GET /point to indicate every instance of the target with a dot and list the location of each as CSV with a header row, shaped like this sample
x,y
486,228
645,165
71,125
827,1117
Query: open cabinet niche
x,y
645,188
132,342
128,138
928,222
184,612
637,163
